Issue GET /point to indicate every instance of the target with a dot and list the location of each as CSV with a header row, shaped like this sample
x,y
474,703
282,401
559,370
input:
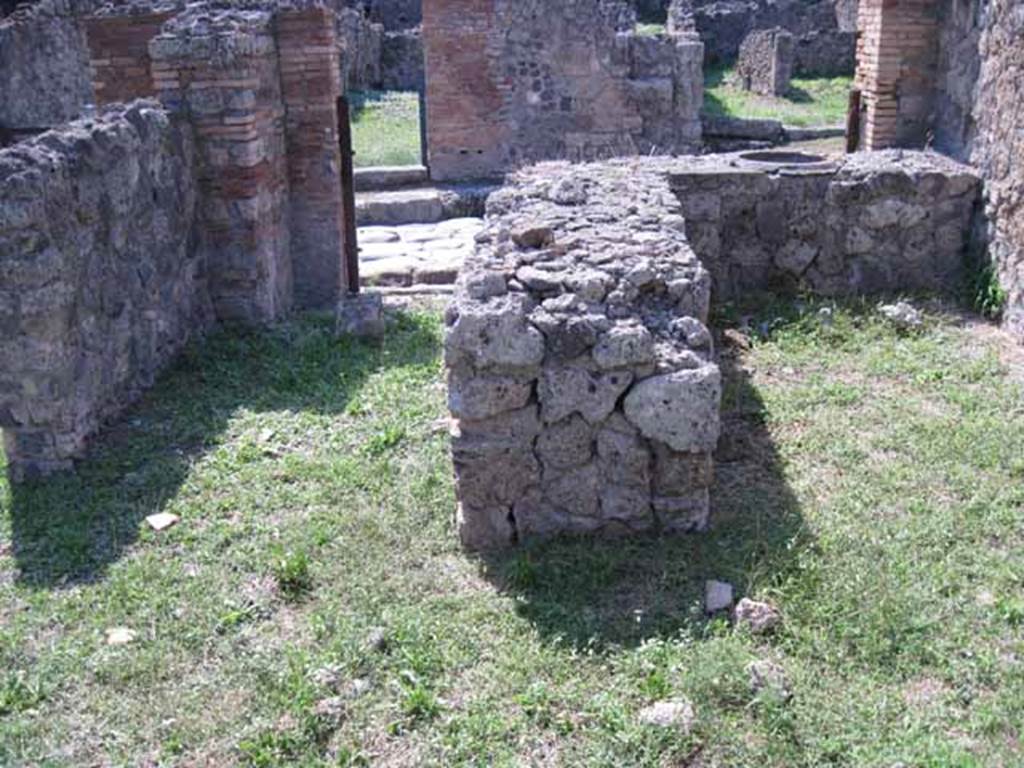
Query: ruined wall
x,y
222,70
100,284
897,54
580,372
880,222
361,42
396,14
44,68
511,82
765,64
310,87
824,36
978,116
401,61
118,48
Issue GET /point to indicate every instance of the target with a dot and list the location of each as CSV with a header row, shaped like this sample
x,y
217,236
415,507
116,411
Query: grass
x,y
810,101
871,484
385,128
650,28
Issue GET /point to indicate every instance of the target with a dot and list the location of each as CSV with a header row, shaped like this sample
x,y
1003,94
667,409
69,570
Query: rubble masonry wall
x,y
581,380
881,222
978,116
101,282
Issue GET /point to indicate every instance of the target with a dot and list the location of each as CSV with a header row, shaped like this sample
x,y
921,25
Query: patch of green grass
x,y
650,29
385,128
811,101
870,485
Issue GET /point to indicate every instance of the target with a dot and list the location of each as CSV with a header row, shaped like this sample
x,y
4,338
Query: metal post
x,y
348,197
853,122
423,126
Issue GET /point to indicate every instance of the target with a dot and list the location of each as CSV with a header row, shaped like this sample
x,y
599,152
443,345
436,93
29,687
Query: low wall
x,y
581,377
872,222
44,67
100,282
580,370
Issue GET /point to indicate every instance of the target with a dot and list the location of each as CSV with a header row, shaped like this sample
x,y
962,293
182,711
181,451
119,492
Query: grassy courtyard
x,y
385,128
313,608
817,101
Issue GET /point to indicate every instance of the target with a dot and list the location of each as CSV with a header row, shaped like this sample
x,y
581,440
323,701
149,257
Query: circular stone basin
x,y
780,157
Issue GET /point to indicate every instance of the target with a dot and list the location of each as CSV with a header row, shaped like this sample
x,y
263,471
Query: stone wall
x,y
44,69
949,72
824,37
119,55
871,223
510,82
223,70
396,14
101,284
361,42
401,61
581,380
978,116
765,64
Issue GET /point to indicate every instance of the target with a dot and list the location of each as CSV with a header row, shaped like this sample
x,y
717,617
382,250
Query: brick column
x,y
896,70
467,134
310,86
227,80
119,55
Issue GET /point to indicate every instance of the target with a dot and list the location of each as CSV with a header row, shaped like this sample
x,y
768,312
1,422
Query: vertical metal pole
x,y
853,122
348,196
423,126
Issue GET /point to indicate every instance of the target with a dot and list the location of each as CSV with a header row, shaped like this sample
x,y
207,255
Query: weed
x,y
292,573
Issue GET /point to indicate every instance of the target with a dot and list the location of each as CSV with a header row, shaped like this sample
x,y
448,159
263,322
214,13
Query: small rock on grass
x,y
671,713
767,676
331,711
759,617
377,640
718,596
161,521
120,636
905,316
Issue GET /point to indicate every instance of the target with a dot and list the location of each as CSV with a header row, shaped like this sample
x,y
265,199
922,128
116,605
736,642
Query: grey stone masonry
x,y
44,67
581,382
765,64
99,282
865,223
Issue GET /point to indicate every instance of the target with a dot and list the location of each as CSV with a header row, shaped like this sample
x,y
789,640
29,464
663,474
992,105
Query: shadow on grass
x,y
799,95
69,528
595,593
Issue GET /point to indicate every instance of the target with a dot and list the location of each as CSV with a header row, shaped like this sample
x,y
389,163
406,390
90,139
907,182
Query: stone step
x,y
404,206
415,254
390,177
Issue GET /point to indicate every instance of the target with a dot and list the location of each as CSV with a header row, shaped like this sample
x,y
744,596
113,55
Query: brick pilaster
x,y
896,69
229,84
310,86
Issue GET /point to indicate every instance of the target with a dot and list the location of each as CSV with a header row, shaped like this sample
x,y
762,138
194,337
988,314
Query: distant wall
x,y
101,284
823,30
44,69
511,82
